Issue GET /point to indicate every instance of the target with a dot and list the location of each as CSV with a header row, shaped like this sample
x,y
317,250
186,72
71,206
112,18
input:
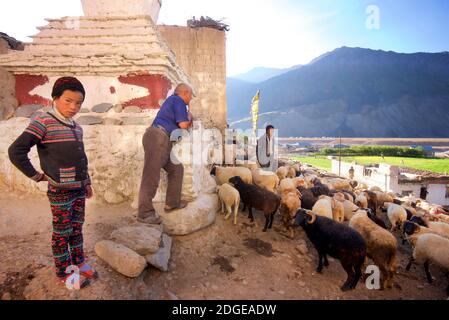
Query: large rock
x,y
113,198
121,258
8,101
89,120
142,239
161,258
102,108
26,111
198,215
110,286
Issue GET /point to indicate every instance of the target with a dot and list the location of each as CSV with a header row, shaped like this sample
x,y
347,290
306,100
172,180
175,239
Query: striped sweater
x,y
60,148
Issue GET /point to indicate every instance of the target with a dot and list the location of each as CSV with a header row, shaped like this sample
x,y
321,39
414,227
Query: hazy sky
x,y
278,33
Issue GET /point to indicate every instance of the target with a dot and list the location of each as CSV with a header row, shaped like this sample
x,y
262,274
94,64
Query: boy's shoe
x,y
87,271
84,282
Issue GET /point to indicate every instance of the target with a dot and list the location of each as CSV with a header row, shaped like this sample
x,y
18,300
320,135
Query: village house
x,y
402,181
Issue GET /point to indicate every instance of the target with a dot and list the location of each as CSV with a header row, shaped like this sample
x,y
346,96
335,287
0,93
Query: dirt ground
x,y
221,262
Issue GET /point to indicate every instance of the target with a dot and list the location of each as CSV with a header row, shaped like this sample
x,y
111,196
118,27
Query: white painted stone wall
x,y
116,8
115,156
437,194
379,177
98,91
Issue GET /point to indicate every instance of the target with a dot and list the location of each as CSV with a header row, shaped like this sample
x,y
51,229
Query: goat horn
x,y
313,216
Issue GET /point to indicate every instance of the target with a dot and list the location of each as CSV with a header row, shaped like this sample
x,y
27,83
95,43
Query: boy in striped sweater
x,y
59,141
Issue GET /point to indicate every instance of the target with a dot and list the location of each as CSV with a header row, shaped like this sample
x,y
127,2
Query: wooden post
x,y
339,161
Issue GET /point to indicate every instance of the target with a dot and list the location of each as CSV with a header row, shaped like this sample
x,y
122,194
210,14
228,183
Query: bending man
x,y
157,144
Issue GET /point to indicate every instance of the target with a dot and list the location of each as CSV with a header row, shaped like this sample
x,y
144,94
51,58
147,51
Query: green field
x,y
433,165
319,162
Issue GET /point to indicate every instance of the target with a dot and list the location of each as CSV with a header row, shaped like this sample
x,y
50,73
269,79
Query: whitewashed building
x,y
398,180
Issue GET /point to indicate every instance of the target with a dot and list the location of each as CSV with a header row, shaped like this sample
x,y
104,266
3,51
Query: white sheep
x,y
350,209
300,182
229,199
362,186
383,197
381,245
286,185
330,208
442,218
396,215
265,179
339,196
291,172
392,195
290,185
282,173
297,167
438,228
323,207
430,248
362,201
223,174
339,184
375,189
290,204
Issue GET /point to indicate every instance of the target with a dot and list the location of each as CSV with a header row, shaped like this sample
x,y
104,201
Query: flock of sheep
x,y
342,218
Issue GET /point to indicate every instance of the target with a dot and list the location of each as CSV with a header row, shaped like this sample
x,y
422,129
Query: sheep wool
x,y
223,174
396,214
282,173
381,245
265,179
230,200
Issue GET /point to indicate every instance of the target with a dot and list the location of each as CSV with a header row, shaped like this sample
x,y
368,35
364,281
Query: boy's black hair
x,y
268,128
67,83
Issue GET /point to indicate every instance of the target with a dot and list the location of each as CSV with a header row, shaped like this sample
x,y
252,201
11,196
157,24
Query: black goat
x,y
373,217
258,198
419,221
308,198
336,240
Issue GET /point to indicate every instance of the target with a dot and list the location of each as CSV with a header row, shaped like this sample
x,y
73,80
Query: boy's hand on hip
x,y
89,192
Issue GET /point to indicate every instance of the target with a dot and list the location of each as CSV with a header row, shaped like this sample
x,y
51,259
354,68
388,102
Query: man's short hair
x,y
268,128
182,87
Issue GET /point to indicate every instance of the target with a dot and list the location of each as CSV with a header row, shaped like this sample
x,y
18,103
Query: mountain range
x,y
352,92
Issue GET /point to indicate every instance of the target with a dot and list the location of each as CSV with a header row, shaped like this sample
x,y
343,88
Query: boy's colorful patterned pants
x,y
68,208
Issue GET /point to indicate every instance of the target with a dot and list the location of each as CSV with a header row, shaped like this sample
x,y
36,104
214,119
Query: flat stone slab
x,y
112,122
142,239
133,109
26,111
161,258
89,120
198,215
102,108
120,258
135,121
